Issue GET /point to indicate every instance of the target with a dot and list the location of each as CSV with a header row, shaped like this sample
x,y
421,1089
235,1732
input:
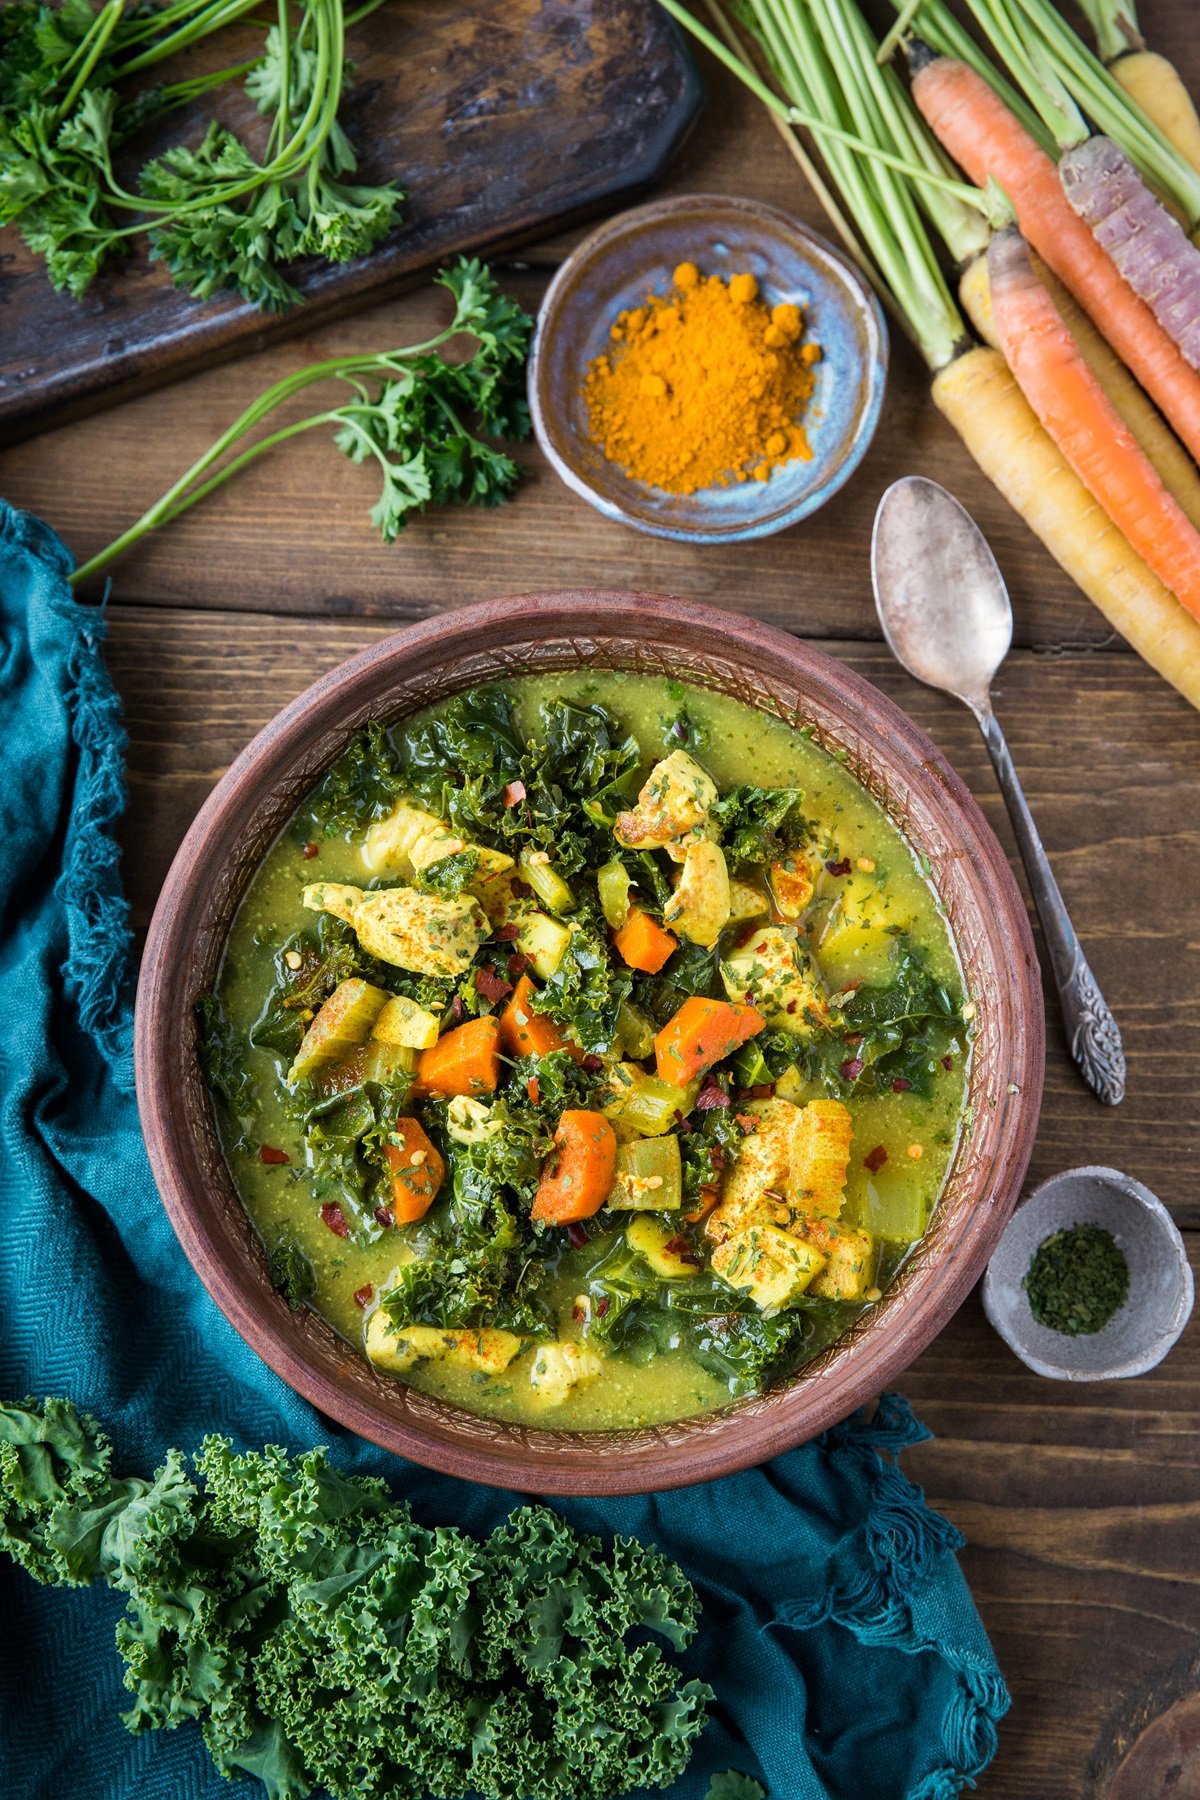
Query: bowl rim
x,y
265,783
1044,1199
821,249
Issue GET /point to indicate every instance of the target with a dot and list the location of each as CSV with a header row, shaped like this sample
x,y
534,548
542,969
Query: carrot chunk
x,y
463,1061
416,1169
524,1032
643,944
578,1174
701,1033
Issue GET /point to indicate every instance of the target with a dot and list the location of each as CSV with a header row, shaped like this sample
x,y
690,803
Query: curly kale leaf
x,y
327,1639
465,763
291,1271
364,783
691,970
762,825
222,1051
906,1026
586,992
449,875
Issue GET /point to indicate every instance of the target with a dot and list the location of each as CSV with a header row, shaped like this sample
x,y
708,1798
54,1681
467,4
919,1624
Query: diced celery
x,y
342,1024
635,1032
640,1105
649,1176
653,1241
543,940
613,883
546,882
890,1206
386,1063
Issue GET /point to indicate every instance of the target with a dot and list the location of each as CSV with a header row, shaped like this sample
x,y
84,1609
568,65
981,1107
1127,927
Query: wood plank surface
x,y
500,119
1081,1504
293,531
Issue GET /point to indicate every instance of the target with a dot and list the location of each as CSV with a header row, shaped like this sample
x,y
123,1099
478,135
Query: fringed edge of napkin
x,y
895,1551
97,971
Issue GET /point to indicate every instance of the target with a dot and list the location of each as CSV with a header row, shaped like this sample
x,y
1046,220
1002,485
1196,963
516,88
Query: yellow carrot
x,y
1155,84
1175,467
980,398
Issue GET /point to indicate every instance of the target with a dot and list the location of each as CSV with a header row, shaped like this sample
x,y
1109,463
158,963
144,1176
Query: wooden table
x,y
1080,1503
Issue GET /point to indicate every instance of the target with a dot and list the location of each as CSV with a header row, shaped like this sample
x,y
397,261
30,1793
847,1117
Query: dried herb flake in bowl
x,y
1077,1280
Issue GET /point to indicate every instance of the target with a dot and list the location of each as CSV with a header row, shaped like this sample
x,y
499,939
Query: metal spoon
x,y
945,612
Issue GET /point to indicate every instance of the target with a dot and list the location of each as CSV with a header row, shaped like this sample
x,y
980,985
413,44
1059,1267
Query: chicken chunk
x,y
672,808
699,907
769,1264
559,1368
763,1168
408,929
409,840
773,971
849,1270
398,1349
746,901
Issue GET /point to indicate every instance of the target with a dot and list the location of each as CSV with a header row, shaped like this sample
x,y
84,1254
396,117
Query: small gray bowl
x,y
636,254
1161,1291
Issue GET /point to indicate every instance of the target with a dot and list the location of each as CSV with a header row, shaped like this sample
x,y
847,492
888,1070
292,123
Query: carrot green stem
x,y
1115,24
933,22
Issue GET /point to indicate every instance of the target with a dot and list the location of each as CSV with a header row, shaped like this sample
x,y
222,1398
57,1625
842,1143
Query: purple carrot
x,y
1149,247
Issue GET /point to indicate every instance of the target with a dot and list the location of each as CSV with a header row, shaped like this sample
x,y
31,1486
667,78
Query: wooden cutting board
x,y
499,118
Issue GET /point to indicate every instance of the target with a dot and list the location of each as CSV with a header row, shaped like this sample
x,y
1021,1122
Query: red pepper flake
x,y
711,1095
490,985
716,1156
900,1085
457,1008
520,890
267,1153
333,1216
839,868
517,965
602,1306
363,1295
947,1062
533,1088
577,1237
311,850
875,1159
579,1313
593,1064
792,1005
507,934
384,1216
679,1246
514,793
851,1069
763,1090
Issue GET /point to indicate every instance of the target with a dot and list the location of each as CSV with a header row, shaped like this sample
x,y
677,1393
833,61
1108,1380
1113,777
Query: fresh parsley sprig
x,y
217,216
422,421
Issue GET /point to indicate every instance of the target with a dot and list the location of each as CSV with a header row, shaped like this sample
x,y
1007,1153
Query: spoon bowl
x,y
942,601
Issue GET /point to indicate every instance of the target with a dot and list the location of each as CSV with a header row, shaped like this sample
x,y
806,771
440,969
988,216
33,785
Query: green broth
x,y
736,745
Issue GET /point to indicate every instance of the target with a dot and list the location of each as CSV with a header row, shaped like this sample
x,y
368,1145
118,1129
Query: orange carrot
x,y
1084,424
981,134
417,1172
463,1061
709,1195
699,1035
579,1172
642,943
526,1033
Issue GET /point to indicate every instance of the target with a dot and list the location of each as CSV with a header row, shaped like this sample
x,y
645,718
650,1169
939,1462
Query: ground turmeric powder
x,y
703,387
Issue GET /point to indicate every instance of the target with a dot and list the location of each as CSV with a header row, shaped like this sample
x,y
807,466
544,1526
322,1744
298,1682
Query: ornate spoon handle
x,y
1092,1031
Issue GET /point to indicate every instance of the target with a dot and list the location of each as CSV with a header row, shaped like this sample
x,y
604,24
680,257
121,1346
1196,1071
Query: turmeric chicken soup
x,y
589,1050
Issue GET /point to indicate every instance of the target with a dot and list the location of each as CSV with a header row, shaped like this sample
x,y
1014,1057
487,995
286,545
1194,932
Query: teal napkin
x,y
837,1629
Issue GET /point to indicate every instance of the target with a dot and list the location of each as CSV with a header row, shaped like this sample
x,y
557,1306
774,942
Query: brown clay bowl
x,y
769,670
